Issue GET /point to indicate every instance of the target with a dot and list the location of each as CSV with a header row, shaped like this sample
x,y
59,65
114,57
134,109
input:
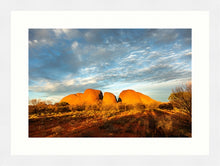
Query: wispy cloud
x,y
64,61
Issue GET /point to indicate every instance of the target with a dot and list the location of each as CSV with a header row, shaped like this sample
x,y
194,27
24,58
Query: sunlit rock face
x,y
92,96
146,99
109,99
129,97
74,99
89,97
133,97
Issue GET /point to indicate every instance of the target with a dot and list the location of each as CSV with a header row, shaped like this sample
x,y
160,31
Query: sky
x,y
68,61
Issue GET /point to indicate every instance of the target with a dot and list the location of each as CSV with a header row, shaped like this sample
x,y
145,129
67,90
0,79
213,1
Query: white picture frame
x,y
22,21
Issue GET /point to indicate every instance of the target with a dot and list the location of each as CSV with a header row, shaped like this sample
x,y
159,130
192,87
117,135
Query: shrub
x,y
63,104
56,104
129,107
79,107
181,97
166,106
121,106
63,109
41,107
32,109
152,106
125,107
108,107
140,106
92,107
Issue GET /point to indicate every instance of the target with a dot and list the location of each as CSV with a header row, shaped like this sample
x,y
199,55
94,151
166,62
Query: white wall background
x,y
7,6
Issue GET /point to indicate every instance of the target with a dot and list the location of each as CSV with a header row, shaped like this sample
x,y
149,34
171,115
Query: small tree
x,y
48,102
181,97
34,101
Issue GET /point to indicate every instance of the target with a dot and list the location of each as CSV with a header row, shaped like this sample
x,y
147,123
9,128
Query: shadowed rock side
x,y
109,99
90,97
133,97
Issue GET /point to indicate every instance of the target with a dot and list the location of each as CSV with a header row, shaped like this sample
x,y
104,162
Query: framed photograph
x,y
110,83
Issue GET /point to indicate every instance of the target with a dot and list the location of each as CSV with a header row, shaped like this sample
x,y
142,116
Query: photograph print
x,y
110,83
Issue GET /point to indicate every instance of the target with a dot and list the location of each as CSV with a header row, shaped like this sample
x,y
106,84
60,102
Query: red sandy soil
x,y
116,123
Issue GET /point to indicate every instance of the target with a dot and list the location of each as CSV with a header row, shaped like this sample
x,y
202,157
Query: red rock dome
x,y
73,99
133,97
129,97
109,99
146,99
92,96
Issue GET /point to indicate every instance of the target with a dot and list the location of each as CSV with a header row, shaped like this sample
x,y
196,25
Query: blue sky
x,y
68,61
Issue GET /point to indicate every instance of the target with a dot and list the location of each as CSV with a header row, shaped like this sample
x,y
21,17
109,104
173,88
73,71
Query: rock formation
x,y
146,99
92,96
129,97
73,99
109,99
133,97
